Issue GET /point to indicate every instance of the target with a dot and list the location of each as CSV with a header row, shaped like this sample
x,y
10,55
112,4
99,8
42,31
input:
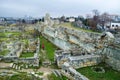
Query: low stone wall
x,y
77,59
84,61
71,73
31,61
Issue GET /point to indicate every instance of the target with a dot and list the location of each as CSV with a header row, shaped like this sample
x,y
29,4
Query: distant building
x,y
115,18
2,20
71,19
115,25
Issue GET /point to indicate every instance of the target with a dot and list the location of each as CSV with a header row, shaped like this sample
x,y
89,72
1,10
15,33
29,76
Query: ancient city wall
x,y
67,39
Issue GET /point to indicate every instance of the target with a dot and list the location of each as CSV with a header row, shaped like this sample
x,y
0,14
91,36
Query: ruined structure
x,y
70,72
14,55
76,60
99,44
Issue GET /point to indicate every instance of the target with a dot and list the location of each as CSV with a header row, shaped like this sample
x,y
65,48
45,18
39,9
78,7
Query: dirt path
x,y
43,69
46,71
3,64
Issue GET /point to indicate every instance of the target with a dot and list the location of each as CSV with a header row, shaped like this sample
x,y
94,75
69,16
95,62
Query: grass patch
x,y
2,35
6,34
4,52
26,54
39,73
3,39
23,77
53,77
49,48
25,41
20,76
109,74
70,25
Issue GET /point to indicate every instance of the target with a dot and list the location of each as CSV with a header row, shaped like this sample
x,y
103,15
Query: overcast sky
x,y
38,8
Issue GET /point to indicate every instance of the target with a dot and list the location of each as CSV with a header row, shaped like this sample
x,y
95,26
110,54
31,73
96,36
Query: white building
x,y
115,25
71,19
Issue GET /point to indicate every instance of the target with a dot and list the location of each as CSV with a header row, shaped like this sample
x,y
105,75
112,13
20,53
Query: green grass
x,y
23,77
3,39
39,73
49,48
70,25
26,54
13,33
2,27
4,52
2,35
109,74
25,41
4,77
5,34
53,77
20,76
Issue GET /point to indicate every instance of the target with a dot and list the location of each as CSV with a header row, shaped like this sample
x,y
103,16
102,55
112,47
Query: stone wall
x,y
68,38
92,42
71,73
112,57
84,60
33,61
76,59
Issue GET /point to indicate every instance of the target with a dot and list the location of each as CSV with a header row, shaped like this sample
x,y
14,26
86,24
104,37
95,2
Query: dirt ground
x,y
3,64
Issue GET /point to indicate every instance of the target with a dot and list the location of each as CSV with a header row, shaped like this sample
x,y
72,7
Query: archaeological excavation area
x,y
53,51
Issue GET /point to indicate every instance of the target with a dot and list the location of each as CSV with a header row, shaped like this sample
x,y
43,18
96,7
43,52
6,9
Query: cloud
x,y
56,7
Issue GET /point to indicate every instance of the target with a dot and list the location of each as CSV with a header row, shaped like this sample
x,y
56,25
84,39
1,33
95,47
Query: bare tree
x,y
104,18
95,12
95,20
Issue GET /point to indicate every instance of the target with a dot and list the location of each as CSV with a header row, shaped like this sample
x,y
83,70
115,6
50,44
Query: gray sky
x,y
38,8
